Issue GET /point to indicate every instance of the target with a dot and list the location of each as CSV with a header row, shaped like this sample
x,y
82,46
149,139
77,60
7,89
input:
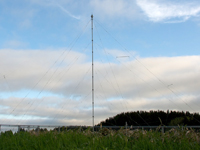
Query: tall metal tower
x,y
92,75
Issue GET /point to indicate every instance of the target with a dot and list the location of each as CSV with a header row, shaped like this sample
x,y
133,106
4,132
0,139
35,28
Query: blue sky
x,y
45,75
52,24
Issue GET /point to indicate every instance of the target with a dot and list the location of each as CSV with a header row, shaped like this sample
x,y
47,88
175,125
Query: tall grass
x,y
103,140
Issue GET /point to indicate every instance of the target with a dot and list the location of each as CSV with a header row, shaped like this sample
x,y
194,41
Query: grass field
x,y
103,140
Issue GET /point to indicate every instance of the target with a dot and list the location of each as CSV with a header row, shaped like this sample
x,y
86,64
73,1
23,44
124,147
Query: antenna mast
x,y
92,75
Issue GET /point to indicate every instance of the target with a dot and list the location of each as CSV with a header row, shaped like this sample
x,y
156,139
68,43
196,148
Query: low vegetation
x,y
105,139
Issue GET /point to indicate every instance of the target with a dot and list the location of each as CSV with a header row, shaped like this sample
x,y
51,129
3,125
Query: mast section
x,y
92,75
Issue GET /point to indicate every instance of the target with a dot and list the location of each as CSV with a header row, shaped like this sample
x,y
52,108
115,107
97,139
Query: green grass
x,y
103,140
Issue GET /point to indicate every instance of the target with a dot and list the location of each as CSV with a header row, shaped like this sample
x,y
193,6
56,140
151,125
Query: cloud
x,y
115,9
55,86
168,11
66,11
62,5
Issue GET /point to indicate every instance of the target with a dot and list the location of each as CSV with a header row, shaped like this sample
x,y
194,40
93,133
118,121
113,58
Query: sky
x,y
146,57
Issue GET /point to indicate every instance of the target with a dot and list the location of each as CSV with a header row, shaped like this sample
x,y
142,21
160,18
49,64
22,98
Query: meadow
x,y
104,139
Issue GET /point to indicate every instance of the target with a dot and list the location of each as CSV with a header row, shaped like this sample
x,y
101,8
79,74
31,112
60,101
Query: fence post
x,y
28,128
126,128
163,130
19,127
38,129
59,129
0,129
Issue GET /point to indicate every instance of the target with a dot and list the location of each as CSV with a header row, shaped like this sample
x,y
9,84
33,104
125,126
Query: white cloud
x,y
115,9
169,11
66,11
61,4
127,86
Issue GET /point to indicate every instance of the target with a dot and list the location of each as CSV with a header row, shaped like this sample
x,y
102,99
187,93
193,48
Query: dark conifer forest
x,y
153,118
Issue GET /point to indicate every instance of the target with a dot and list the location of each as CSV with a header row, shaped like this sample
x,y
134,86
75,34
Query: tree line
x,y
153,118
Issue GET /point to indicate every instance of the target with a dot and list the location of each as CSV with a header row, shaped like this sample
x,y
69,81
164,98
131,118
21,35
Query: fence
x,y
18,128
